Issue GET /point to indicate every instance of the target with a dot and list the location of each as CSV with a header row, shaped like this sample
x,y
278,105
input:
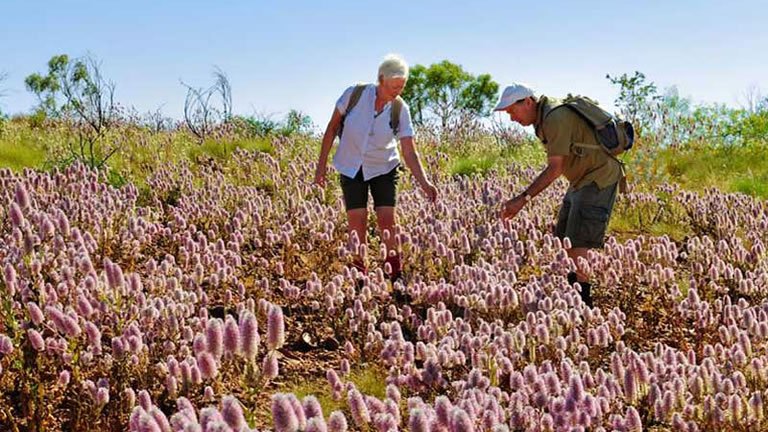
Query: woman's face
x,y
392,87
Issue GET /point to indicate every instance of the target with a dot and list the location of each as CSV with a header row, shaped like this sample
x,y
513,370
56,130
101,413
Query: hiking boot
x,y
401,296
362,272
396,268
585,291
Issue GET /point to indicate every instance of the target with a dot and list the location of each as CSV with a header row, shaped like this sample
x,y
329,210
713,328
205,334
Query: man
x,y
574,152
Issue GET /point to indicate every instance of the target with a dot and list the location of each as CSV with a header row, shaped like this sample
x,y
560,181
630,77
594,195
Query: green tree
x,y
637,100
671,120
47,87
76,91
296,122
763,104
447,93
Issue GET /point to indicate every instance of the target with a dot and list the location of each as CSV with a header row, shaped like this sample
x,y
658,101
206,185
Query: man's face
x,y
522,111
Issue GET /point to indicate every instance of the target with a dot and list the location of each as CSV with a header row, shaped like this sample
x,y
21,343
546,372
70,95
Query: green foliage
x,y
755,186
637,99
471,165
17,158
753,127
37,119
669,120
644,167
255,126
20,147
75,91
483,156
628,222
369,380
296,122
48,87
446,92
222,150
260,126
733,168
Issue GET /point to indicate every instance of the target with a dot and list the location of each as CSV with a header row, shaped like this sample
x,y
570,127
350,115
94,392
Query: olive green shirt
x,y
559,131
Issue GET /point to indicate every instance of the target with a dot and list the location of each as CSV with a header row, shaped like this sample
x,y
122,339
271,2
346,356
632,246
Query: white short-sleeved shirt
x,y
368,140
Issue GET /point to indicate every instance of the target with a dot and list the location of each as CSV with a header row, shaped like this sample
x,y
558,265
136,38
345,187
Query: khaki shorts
x,y
584,215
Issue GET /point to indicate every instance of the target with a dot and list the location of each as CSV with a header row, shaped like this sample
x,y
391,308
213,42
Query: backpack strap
x,y
355,97
623,181
394,118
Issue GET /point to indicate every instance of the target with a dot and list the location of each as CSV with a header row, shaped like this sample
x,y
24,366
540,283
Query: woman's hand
x,y
430,191
320,175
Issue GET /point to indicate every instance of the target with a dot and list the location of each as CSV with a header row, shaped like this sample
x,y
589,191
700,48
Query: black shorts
x,y
382,188
584,215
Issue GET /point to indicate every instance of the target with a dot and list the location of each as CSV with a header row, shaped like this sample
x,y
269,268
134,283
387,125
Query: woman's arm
x,y
411,157
325,148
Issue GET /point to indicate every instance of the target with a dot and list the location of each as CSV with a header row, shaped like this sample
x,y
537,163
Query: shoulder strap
x,y
576,108
586,108
394,119
546,110
355,97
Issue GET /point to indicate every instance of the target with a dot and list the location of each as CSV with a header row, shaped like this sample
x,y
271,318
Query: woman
x,y
372,118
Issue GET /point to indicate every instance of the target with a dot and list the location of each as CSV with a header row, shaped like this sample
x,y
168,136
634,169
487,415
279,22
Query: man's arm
x,y
553,170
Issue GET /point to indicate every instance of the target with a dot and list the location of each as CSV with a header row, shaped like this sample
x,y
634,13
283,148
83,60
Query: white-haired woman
x,y
371,119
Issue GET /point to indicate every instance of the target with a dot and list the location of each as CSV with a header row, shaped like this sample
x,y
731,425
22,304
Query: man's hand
x,y
430,191
512,207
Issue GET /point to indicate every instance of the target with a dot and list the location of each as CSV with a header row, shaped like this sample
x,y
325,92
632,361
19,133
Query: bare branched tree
x,y
752,98
200,113
3,92
225,90
156,121
3,77
90,105
90,97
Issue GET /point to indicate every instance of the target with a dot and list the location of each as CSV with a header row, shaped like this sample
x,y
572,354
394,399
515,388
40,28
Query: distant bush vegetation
x,y
78,119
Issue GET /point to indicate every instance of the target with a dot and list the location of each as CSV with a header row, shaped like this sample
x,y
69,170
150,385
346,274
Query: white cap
x,y
512,94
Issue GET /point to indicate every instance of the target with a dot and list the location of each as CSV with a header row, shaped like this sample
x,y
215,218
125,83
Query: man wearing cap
x,y
593,174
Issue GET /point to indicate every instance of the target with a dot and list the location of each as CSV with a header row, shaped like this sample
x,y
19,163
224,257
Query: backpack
x,y
614,134
394,117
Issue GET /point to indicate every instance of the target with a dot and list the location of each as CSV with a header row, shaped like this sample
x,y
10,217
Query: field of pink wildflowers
x,y
190,307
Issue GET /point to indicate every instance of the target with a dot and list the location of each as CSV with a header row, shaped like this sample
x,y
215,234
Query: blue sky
x,y
302,54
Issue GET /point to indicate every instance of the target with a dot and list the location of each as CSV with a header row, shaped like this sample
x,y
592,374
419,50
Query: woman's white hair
x,y
393,66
